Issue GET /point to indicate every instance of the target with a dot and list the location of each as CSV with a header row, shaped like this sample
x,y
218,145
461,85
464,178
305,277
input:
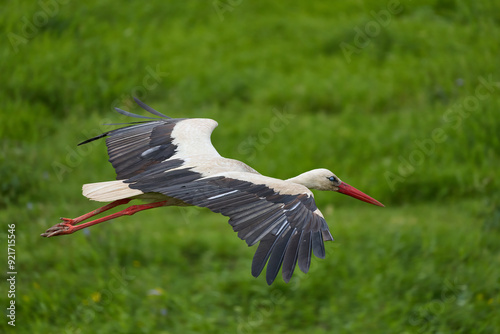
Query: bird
x,y
171,162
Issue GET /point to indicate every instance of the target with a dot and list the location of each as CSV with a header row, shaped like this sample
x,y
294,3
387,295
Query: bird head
x,y
323,179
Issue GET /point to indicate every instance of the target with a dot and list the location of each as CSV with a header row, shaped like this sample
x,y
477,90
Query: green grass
x,y
408,119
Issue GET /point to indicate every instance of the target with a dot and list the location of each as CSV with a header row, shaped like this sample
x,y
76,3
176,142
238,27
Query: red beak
x,y
346,189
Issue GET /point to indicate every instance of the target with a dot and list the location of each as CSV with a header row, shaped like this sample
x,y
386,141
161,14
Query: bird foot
x,y
68,220
59,229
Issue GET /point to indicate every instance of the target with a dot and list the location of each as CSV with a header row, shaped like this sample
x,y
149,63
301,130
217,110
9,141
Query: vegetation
x,y
399,99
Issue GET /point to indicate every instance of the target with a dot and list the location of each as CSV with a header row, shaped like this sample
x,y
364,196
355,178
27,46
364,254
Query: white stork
x,y
171,162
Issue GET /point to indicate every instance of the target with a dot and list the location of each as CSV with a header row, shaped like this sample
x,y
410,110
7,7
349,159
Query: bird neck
x,y
308,179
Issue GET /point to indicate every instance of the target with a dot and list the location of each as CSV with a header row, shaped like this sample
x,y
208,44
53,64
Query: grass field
x,y
399,99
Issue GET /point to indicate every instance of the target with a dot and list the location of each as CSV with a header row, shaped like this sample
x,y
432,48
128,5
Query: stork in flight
x,y
171,162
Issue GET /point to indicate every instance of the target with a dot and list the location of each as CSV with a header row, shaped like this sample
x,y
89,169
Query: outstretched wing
x,y
287,223
136,148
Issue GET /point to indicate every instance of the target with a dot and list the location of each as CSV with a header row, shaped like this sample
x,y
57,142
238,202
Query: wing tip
x,y
149,109
145,107
129,114
93,138
327,236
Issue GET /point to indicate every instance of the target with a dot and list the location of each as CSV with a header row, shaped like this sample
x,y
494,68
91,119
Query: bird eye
x,y
333,179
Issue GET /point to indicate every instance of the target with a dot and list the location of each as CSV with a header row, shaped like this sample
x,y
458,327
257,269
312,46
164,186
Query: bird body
x,y
172,162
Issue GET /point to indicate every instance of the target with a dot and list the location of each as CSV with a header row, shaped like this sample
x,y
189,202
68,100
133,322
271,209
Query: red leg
x,y
68,228
96,211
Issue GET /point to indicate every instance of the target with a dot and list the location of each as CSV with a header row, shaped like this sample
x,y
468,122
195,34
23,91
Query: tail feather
x,y
109,191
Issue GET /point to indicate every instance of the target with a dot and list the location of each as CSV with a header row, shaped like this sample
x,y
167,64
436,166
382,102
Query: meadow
x,y
400,99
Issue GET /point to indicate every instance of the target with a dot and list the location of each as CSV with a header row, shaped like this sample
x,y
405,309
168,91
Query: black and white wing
x,y
141,145
288,226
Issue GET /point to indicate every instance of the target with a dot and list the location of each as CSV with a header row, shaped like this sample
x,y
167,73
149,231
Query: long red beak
x,y
346,189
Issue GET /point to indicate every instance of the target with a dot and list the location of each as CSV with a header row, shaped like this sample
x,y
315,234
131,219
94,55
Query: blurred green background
x,y
399,99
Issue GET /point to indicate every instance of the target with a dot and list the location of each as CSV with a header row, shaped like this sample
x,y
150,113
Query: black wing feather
x,y
262,254
291,255
285,225
278,252
148,108
304,259
135,148
129,114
